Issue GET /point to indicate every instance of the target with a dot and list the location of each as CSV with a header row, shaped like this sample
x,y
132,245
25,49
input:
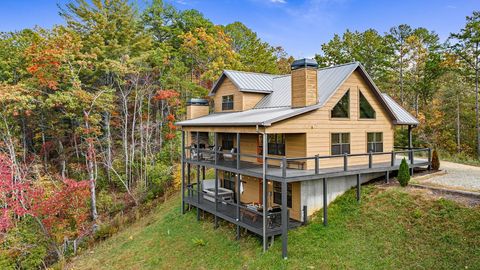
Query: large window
x,y
227,141
276,144
340,143
229,180
374,142
277,194
227,103
366,110
342,108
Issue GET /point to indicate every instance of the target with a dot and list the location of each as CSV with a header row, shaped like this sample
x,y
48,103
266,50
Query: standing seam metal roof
x,y
277,103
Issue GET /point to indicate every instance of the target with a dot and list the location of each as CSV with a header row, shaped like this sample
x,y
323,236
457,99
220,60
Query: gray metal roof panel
x,y
253,117
248,81
403,117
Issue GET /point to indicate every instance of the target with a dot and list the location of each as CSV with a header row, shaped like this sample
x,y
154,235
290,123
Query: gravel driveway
x,y
457,176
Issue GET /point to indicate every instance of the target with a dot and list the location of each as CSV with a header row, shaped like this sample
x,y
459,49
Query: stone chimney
x,y
304,83
196,108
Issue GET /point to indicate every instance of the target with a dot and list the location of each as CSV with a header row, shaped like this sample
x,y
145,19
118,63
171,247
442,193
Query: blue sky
x,y
299,26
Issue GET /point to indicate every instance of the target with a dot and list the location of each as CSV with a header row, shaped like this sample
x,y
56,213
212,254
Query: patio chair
x,y
230,155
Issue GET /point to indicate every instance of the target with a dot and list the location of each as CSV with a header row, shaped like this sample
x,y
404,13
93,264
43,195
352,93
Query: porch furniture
x,y
299,164
249,213
223,194
211,155
230,155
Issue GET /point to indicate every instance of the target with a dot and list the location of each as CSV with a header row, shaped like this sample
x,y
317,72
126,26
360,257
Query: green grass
x,y
389,229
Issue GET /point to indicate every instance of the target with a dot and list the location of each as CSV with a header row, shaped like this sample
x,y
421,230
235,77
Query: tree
x,y
403,173
255,55
466,46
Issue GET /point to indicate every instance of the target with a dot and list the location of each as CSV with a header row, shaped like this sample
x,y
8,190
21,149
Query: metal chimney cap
x,y
303,63
197,101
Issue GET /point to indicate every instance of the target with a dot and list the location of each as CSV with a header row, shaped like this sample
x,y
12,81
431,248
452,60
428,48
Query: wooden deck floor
x,y
275,172
228,212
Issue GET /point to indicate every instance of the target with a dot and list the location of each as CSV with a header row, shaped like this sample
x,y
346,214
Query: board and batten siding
x,y
318,125
241,100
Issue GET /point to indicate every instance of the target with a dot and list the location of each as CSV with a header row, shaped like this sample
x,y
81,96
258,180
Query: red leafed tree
x,y
169,100
61,211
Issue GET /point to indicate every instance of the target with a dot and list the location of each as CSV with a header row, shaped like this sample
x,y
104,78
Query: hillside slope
x,y
393,229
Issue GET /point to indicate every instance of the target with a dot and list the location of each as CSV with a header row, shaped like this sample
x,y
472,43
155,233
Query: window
x,y
340,143
276,144
342,109
229,180
374,142
227,141
366,110
277,194
227,103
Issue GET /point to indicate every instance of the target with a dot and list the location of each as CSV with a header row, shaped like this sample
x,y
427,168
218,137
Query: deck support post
x,y
359,186
429,153
183,173
284,219
345,161
412,162
325,202
189,191
198,177
387,177
410,142
317,164
305,215
393,159
216,183
264,192
238,187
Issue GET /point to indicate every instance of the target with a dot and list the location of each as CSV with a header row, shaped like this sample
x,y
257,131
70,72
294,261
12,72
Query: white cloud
x,y
278,1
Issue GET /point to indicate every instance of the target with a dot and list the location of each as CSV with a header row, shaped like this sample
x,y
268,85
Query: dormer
x,y
240,91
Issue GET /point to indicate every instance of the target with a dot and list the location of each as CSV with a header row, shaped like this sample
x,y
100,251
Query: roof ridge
x,y
250,72
340,65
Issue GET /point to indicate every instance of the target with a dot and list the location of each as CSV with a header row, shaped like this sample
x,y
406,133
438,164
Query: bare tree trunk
x,y
63,162
91,173
108,137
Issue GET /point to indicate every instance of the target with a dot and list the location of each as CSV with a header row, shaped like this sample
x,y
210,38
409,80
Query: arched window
x,y
342,108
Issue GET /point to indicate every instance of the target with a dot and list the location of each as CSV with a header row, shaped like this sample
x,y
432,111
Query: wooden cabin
x,y
284,146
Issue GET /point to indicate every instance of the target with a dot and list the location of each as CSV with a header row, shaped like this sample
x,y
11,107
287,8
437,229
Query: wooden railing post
x,y
393,158
284,167
183,172
345,162
317,164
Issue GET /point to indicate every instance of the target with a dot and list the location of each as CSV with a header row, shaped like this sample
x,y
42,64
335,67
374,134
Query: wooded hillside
x,y
87,109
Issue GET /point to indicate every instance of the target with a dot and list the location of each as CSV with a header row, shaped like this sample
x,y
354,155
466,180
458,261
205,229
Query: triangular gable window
x,y
342,109
366,110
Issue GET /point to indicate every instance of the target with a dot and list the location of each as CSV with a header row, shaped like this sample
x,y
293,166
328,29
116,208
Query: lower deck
x,y
239,214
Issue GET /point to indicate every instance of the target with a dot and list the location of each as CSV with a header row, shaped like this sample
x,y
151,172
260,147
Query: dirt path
x,y
457,176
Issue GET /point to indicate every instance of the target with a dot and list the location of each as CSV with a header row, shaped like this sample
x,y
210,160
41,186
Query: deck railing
x,y
230,209
286,167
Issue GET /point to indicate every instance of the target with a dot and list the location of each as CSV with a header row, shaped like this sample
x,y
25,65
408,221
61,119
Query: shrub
x,y
403,173
435,160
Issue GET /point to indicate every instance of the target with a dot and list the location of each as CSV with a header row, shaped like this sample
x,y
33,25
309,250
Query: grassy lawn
x,y
389,229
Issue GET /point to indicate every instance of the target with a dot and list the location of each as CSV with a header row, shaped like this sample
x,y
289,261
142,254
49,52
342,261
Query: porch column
x,y
198,177
189,192
265,191
216,181
238,194
238,186
183,172
284,219
410,143
238,151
